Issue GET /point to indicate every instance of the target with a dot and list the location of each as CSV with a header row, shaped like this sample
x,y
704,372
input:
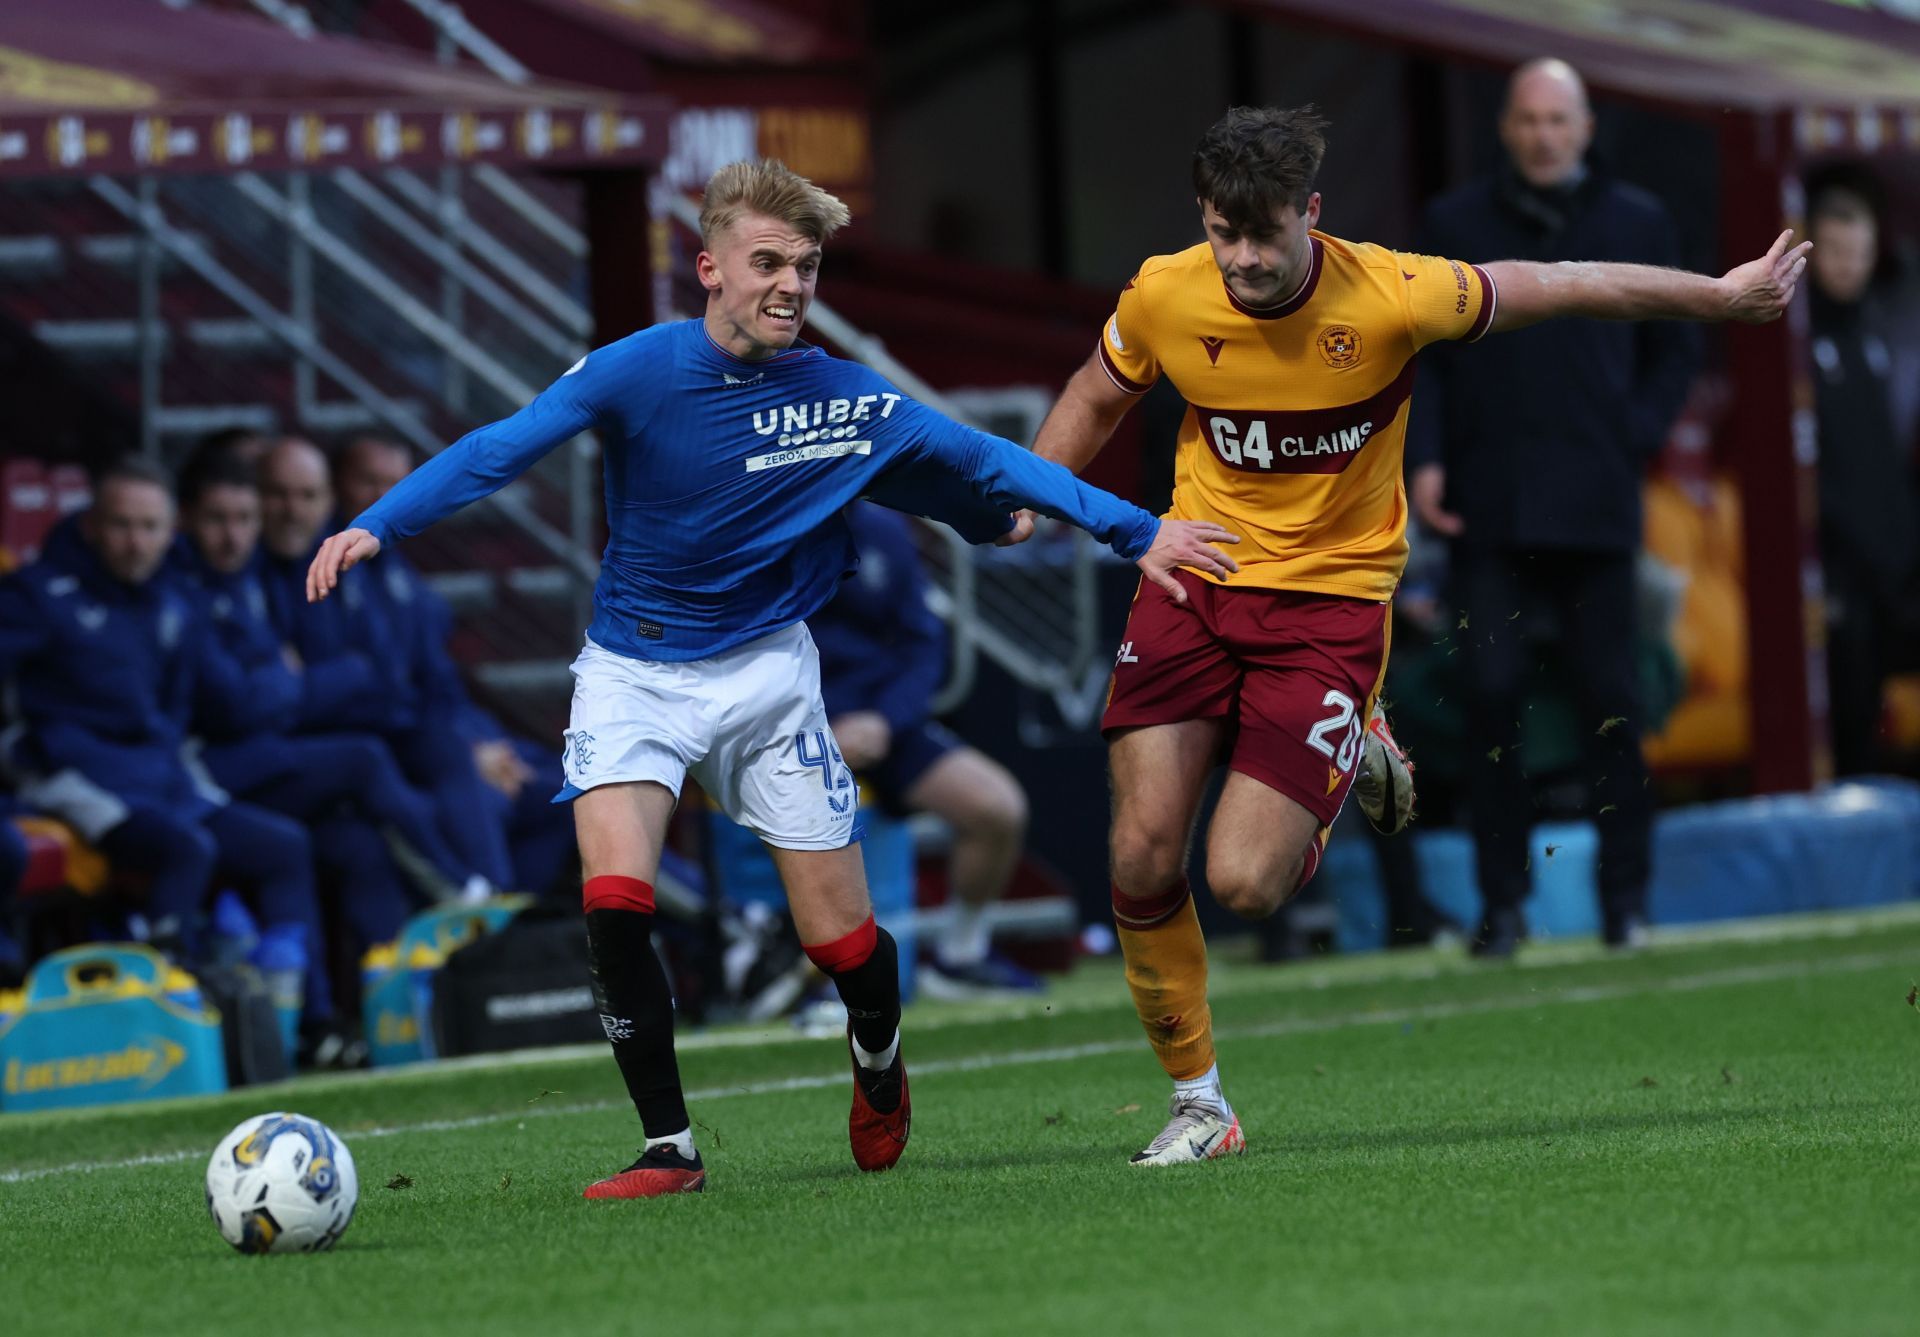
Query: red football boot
x,y
882,1113
659,1171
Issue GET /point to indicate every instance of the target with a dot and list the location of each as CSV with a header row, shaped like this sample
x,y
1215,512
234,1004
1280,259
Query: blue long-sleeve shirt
x,y
881,647
725,480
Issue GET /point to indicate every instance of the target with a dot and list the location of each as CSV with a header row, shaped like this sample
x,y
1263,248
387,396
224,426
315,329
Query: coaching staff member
x,y
1528,455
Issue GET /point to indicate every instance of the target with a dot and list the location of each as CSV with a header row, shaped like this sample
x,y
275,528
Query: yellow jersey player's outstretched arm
x,y
1752,294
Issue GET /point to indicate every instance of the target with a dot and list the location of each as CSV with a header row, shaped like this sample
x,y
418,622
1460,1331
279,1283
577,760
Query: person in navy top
x,y
731,450
113,667
883,655
521,775
345,786
414,712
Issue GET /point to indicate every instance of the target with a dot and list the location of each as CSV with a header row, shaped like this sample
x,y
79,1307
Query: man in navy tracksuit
x,y
1528,455
112,664
883,654
345,786
521,776
364,626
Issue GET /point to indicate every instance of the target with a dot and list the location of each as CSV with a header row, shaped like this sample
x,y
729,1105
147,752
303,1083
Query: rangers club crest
x,y
1340,346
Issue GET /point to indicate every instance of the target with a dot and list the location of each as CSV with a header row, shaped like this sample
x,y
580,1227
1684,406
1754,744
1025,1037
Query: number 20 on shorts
x,y
1338,735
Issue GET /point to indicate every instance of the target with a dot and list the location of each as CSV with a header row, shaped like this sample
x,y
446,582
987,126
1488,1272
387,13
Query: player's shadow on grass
x,y
1455,1133
1063,1154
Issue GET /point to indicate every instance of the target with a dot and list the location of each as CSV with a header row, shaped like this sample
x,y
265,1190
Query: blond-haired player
x,y
1295,351
731,451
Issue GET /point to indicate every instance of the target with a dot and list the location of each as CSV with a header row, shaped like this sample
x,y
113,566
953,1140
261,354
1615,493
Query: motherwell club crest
x,y
1340,346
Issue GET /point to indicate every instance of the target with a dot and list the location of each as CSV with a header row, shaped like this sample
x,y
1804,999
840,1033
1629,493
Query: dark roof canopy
x,y
120,85
1850,73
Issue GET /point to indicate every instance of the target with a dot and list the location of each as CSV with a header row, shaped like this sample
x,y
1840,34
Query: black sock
x,y
636,1009
871,991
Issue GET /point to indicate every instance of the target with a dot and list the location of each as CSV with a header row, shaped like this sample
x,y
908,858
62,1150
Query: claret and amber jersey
x,y
1298,412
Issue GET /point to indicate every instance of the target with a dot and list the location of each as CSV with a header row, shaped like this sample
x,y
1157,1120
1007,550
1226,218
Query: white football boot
x,y
1384,785
1199,1130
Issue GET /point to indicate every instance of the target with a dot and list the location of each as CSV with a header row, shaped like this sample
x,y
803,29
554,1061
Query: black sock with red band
x,y
636,1003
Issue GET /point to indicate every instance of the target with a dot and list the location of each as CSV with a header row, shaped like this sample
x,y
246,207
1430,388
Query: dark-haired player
x,y
1295,351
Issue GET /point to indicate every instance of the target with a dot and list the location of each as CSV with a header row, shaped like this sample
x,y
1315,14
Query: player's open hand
x,y
1022,530
342,552
1760,290
1186,543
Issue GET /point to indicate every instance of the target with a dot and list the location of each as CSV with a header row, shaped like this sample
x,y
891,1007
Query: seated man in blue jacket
x,y
113,664
521,775
883,654
13,867
347,786
402,706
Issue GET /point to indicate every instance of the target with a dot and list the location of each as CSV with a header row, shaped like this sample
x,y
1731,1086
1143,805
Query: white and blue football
x,y
281,1183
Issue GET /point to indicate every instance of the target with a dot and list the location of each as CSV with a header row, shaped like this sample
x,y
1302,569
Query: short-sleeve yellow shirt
x,y
1298,412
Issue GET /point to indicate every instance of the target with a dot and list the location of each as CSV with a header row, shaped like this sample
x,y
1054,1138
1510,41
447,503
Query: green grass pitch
x,y
1719,1136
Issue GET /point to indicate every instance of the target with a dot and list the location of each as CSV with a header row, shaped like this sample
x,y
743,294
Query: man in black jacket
x,y
1528,455
1868,506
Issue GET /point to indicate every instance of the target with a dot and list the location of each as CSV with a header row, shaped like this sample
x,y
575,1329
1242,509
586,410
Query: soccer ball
x,y
281,1183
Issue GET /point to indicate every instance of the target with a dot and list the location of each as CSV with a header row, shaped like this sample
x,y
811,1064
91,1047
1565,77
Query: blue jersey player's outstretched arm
x,y
997,477
651,394
476,466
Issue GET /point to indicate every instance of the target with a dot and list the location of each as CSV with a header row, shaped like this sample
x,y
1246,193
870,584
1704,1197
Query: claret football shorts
x,y
748,724
1293,674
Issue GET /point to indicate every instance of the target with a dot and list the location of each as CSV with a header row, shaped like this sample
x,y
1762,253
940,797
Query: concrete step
x,y
30,259
346,415
199,419
121,251
95,339
234,337
469,592
527,677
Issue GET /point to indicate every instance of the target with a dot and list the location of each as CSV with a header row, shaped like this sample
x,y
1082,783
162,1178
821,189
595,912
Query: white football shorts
x,y
749,725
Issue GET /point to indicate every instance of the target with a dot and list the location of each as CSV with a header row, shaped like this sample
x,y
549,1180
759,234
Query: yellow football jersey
x,y
1298,412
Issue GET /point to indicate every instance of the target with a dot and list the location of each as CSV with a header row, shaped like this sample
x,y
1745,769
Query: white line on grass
x,y
1232,980
1766,973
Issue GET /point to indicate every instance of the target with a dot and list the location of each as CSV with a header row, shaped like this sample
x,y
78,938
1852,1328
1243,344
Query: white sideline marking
x,y
1599,993
1233,981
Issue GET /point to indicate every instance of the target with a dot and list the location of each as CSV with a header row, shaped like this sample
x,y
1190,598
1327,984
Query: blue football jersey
x,y
726,479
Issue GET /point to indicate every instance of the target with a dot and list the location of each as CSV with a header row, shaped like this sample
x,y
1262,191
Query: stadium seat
x,y
1698,533
1901,707
58,859
26,509
71,490
747,875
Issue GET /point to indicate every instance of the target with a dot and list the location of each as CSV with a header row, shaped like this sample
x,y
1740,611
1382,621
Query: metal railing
x,y
142,208
1031,610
